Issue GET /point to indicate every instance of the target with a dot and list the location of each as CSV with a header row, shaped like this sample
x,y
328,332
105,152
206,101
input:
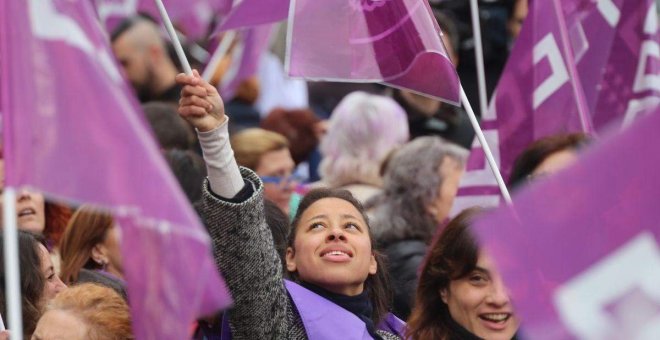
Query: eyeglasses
x,y
282,180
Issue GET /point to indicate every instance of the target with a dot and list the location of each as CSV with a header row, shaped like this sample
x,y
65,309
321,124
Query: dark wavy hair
x,y
32,279
377,285
453,256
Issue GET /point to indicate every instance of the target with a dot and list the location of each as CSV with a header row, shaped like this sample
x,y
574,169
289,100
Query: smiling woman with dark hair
x,y
461,296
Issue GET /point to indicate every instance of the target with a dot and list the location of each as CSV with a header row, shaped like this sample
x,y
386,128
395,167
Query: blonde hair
x,y
100,308
250,144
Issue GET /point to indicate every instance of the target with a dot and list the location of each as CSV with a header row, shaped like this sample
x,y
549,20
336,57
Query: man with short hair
x,y
141,50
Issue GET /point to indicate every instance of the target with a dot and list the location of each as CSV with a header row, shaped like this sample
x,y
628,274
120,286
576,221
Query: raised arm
x,y
233,209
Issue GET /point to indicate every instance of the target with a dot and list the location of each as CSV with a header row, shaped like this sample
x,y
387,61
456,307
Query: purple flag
x,y
581,251
73,130
193,17
614,50
250,13
245,58
396,42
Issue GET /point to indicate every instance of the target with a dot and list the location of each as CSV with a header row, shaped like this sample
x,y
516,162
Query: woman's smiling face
x,y
480,302
332,247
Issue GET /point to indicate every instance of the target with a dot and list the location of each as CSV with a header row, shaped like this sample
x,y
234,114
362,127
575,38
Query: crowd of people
x,y
329,216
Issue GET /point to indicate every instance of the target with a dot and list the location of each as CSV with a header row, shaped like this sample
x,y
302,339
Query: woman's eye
x,y
316,226
478,279
352,226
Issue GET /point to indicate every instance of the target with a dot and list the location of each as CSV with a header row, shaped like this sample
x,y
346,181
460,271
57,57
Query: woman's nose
x,y
499,294
23,195
336,234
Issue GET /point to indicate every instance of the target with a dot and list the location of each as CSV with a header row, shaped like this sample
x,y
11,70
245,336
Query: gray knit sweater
x,y
245,255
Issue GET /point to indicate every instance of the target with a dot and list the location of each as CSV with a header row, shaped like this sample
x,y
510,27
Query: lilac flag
x,y
581,251
396,42
250,13
614,48
193,17
73,130
245,58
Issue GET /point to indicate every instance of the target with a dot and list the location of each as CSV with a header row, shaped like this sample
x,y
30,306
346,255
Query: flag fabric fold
x,y
613,47
250,13
73,130
580,252
396,42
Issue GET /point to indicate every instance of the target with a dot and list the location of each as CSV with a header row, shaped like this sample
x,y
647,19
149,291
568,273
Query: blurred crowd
x,y
342,208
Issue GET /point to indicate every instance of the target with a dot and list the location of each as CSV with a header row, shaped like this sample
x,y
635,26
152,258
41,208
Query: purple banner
x,y
73,130
396,42
613,48
581,251
250,13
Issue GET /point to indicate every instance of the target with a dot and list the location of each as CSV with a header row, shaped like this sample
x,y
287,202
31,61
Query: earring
x,y
102,263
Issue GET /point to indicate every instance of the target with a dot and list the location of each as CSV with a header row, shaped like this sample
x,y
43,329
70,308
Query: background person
x,y
39,283
85,311
421,181
363,129
91,250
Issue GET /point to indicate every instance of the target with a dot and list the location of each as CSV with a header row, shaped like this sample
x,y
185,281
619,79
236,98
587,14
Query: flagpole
x,y
484,145
175,39
576,84
219,53
479,56
12,271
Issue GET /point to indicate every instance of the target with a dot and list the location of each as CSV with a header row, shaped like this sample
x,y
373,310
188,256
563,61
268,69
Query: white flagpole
x,y
219,53
12,271
175,39
479,56
484,145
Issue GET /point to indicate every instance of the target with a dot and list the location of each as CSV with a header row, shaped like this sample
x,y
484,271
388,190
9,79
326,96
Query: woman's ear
x,y
443,295
373,266
290,259
99,254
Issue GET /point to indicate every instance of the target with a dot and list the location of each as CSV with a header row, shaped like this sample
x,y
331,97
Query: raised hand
x,y
200,102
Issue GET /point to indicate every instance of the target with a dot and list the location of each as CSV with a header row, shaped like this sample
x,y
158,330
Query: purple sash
x,y
323,319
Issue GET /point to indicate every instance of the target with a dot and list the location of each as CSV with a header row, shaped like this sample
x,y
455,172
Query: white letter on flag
x,y
547,48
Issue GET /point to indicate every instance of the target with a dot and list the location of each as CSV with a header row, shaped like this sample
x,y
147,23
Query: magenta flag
x,y
253,44
581,251
73,130
614,50
250,13
396,42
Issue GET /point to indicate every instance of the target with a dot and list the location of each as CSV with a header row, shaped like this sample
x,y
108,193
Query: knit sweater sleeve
x,y
245,255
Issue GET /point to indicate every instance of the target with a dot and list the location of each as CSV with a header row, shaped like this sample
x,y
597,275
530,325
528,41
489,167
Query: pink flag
x,y
613,48
250,13
581,251
245,58
396,42
73,130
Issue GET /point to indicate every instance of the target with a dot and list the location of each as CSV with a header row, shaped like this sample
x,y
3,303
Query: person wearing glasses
x,y
267,153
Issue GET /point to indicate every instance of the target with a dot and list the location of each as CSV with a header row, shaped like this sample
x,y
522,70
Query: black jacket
x,y
404,259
